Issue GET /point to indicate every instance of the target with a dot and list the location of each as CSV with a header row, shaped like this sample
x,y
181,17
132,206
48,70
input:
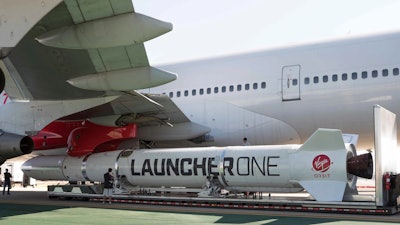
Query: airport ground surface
x,y
32,206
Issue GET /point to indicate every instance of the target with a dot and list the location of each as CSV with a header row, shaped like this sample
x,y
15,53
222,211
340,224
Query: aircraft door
x,y
291,83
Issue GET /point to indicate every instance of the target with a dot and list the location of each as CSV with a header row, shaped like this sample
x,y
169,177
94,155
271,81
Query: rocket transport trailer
x,y
324,170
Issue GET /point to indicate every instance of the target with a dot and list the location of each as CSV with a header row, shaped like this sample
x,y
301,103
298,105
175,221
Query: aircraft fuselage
x,y
283,95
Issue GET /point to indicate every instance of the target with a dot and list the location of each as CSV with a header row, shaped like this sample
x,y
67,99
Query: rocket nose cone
x,y
361,166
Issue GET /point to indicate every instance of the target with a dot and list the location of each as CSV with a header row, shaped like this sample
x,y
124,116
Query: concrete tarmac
x,y
32,206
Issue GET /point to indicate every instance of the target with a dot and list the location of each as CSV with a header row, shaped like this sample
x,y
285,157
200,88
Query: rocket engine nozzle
x,y
361,165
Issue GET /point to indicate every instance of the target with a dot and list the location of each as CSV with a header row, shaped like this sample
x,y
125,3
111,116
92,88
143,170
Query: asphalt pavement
x,y
32,206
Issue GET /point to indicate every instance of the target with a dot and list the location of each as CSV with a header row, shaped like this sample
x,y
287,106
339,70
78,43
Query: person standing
x,y
108,185
7,182
245,142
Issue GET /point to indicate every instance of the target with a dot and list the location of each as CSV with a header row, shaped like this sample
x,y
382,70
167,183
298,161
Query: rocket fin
x,y
324,140
325,191
329,184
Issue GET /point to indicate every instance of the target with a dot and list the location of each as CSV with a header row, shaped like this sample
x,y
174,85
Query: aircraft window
x,y
216,90
223,89
186,93
201,91
385,72
239,87
316,80
263,85
334,77
344,76
294,82
208,90
325,78
395,71
178,94
255,86
306,80
354,76
374,73
364,74
193,92
171,94
247,87
231,88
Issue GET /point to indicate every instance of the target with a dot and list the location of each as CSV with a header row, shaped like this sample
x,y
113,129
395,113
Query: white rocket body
x,y
318,166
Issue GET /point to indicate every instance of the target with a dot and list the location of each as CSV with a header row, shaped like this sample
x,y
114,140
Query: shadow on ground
x,y
45,214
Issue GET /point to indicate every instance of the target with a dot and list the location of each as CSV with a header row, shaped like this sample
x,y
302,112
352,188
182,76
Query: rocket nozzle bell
x,y
361,165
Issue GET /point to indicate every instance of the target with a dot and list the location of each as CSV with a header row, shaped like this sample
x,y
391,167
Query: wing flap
x,y
88,10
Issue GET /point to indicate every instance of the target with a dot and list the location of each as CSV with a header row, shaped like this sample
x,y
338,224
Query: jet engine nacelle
x,y
14,145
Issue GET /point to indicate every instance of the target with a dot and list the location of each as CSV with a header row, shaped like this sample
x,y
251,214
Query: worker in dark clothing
x,y
7,182
108,185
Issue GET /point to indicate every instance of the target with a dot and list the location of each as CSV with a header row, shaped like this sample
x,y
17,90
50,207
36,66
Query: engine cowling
x,y
14,145
91,138
81,137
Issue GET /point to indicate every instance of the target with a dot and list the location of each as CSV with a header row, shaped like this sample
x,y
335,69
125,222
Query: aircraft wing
x,y
157,117
77,43
82,49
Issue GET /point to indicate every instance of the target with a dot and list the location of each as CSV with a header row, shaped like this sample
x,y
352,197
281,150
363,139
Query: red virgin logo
x,y
321,163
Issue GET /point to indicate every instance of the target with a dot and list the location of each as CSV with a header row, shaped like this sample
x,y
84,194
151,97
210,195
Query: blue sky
x,y
207,28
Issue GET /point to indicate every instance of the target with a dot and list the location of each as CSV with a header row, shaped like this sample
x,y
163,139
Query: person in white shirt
x,y
245,142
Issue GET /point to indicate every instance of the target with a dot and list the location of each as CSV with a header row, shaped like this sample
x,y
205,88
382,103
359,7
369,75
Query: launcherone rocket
x,y
324,166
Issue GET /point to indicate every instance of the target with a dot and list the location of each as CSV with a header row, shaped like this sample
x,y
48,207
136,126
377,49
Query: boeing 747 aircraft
x,y
282,95
76,80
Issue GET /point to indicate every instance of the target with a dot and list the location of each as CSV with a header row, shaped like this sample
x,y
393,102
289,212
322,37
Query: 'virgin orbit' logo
x,y
321,163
